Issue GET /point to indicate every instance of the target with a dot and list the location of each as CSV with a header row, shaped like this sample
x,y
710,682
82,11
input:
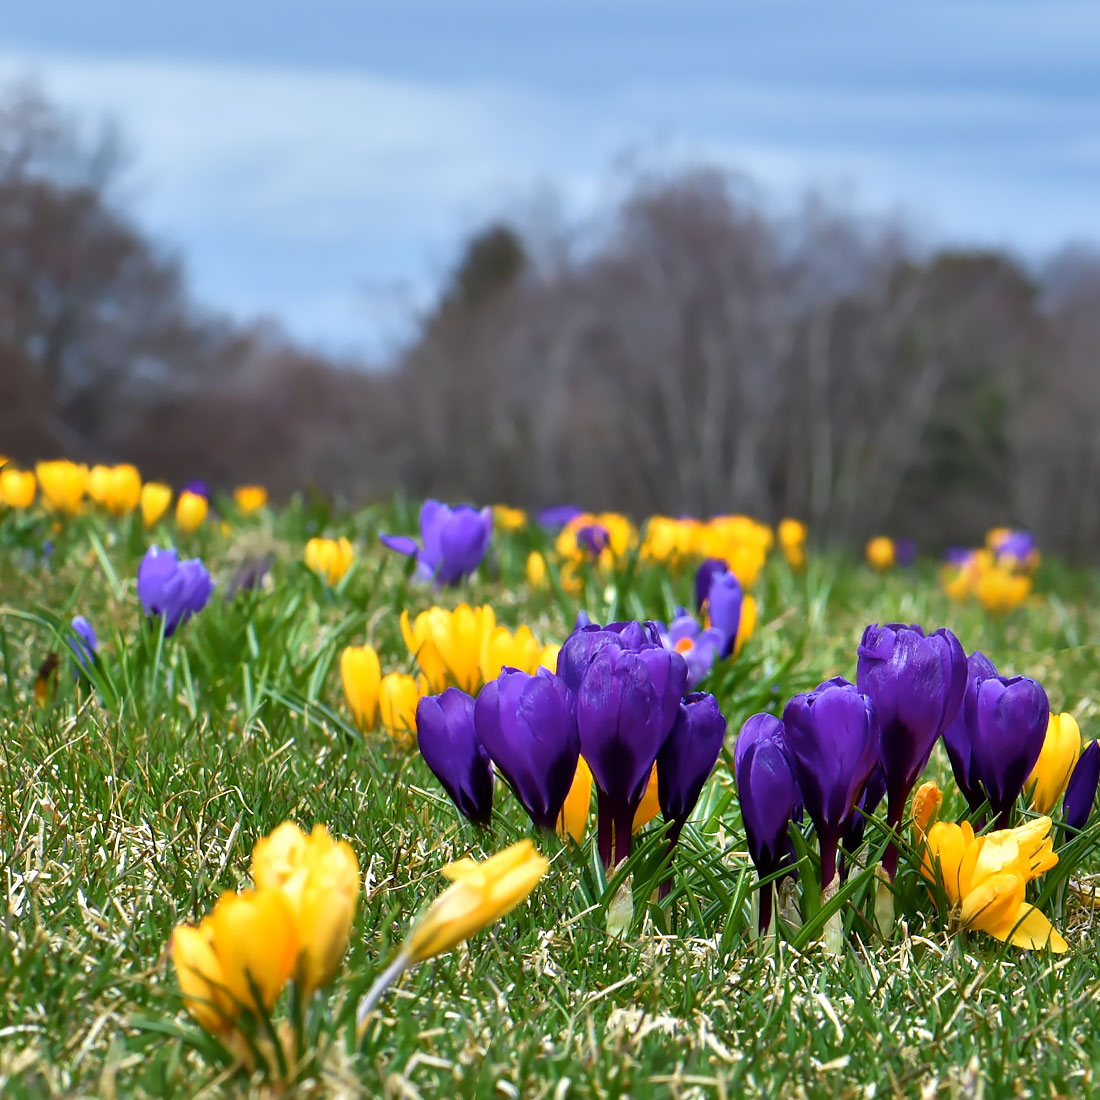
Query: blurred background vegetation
x,y
699,354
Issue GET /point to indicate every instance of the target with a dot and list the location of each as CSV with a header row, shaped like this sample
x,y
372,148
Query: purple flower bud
x,y
84,644
593,539
956,736
916,684
626,705
587,640
1016,547
197,486
832,739
171,589
769,797
688,757
1007,722
706,572
1081,789
448,741
905,552
454,541
528,726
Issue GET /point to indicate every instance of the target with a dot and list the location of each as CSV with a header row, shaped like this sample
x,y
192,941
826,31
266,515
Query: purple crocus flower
x,y
171,589
916,684
905,552
84,644
698,647
579,649
593,539
1017,547
720,592
1006,719
197,486
706,572
627,703
1081,789
832,739
557,516
688,757
956,735
448,741
454,541
528,725
769,796
957,555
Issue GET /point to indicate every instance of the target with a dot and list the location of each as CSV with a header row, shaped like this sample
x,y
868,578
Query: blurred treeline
x,y
696,354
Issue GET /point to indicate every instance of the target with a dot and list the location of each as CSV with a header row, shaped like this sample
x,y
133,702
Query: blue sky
x,y
320,160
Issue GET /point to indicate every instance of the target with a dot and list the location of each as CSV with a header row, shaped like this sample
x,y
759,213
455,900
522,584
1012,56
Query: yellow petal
x,y
649,807
1061,748
276,857
1032,930
361,675
201,979
573,819
993,904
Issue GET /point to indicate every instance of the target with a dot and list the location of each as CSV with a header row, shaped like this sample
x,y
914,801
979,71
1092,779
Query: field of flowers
x,y
419,801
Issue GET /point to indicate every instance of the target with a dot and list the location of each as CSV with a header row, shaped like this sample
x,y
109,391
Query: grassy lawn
x,y
126,809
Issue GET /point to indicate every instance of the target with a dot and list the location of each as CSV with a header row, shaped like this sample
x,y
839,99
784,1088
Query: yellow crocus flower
x,y
573,819
398,696
536,570
926,807
548,658
17,487
201,978
880,553
122,489
361,675
479,894
155,498
984,878
508,519
255,938
250,498
97,483
448,644
501,647
63,484
320,879
330,559
191,509
1000,590
1061,748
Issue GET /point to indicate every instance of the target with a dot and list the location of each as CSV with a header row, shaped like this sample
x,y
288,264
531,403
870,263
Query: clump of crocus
x,y
479,895
1057,759
330,559
293,925
880,553
249,498
792,542
916,684
978,574
449,743
1081,790
452,541
741,542
17,488
155,499
191,511
984,879
449,645
63,484
832,742
671,542
770,799
171,590
1014,548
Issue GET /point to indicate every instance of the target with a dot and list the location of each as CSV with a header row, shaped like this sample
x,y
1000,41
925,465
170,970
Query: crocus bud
x,y
1061,748
956,735
17,488
155,498
454,541
84,644
191,509
1081,791
201,978
249,498
501,648
330,559
573,819
398,696
880,553
769,797
529,728
726,602
916,685
688,757
449,744
63,484
832,739
926,807
171,589
626,705
1007,721
707,571
361,675
256,942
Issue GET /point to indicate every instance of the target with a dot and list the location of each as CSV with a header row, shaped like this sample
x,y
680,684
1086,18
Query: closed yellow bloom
x,y
62,484
621,538
361,675
122,489
330,559
984,879
448,644
479,894
1061,748
155,498
573,819
880,553
746,624
255,939
671,541
191,509
792,541
508,519
741,542
17,487
649,806
97,483
548,658
536,570
250,498
501,647
926,807
398,695
320,879
1000,590
201,978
